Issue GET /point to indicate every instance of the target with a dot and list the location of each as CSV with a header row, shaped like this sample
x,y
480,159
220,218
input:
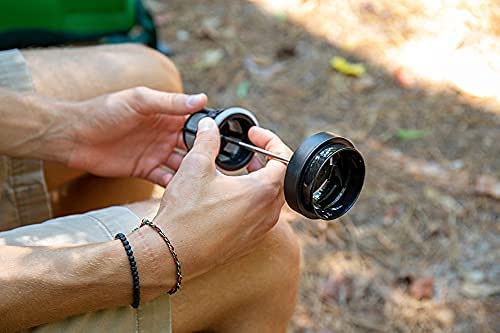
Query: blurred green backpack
x,y
30,23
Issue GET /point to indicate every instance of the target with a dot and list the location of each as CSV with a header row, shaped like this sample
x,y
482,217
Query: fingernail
x,y
206,124
194,100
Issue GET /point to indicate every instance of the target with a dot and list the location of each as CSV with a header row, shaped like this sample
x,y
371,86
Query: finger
x,y
206,145
274,171
160,176
267,140
149,101
174,160
180,142
255,164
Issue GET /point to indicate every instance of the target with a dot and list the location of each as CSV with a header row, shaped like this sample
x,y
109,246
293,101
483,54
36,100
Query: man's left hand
x,y
131,133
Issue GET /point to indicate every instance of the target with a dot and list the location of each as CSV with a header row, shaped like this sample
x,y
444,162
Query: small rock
x,y
457,164
422,288
210,58
475,276
213,22
182,35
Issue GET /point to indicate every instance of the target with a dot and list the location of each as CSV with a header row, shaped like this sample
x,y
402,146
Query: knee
x,y
283,243
167,69
279,261
163,73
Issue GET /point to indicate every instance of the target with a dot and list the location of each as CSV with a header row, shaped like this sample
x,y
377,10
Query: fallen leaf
x,y
488,185
345,67
281,16
422,288
474,290
411,134
261,72
210,58
404,78
474,276
242,89
209,28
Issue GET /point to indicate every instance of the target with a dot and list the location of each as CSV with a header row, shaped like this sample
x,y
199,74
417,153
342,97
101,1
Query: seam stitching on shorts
x,y
102,226
12,180
137,326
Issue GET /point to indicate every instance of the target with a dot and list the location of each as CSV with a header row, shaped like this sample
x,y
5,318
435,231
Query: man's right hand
x,y
213,218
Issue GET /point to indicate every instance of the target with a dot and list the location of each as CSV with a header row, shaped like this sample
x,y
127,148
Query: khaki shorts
x,y
24,204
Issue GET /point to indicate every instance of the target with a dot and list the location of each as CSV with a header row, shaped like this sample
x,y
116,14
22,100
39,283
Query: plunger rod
x,y
255,149
250,147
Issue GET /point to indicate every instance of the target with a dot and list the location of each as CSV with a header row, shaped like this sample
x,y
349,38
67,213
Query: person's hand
x,y
131,133
212,218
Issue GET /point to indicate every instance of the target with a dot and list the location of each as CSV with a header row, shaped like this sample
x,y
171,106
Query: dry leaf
x,y
422,288
404,78
488,185
210,58
479,290
261,72
345,67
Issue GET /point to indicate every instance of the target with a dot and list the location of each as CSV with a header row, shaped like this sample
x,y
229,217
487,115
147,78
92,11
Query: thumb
x,y
207,143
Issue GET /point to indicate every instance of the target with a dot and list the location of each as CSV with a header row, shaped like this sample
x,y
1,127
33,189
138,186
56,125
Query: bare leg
x,y
255,293
85,72
82,73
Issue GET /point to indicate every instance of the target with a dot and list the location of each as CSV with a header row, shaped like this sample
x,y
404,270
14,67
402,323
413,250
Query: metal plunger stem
x,y
255,149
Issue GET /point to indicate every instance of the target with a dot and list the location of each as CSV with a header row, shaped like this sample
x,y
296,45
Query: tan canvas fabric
x,y
24,204
23,193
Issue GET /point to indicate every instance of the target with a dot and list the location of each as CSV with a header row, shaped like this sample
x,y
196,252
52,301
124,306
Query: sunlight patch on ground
x,y
448,43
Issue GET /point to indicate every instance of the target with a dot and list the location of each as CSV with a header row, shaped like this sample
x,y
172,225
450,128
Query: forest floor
x,y
420,251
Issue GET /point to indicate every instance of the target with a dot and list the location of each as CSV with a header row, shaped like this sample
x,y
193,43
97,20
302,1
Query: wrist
x,y
157,272
32,126
194,262
54,139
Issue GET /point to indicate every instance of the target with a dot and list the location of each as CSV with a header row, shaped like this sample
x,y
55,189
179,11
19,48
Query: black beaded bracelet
x,y
136,291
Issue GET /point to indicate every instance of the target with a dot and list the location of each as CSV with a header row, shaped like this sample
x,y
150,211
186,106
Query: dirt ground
x,y
420,251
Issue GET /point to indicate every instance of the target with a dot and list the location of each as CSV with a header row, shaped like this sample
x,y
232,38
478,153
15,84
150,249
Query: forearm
x,y
77,279
33,127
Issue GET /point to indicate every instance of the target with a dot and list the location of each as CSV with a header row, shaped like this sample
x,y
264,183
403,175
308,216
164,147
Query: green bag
x,y
52,22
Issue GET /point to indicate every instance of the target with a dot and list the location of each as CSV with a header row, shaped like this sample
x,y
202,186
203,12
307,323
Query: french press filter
x,y
323,178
